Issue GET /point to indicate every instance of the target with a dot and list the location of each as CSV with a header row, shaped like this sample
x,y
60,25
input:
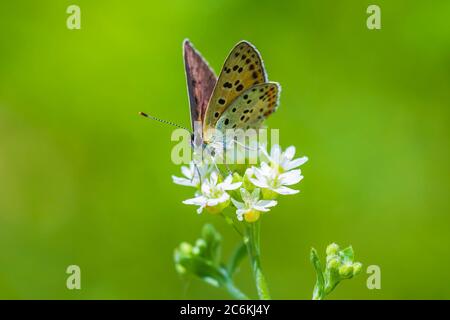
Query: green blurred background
x,y
84,180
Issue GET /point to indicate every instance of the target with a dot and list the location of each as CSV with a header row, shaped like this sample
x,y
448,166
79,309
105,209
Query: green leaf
x,y
319,288
238,255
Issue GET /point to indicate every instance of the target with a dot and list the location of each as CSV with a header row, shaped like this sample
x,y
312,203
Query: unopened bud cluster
x,y
339,266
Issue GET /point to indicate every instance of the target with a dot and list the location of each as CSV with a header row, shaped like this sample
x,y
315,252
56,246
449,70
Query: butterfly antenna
x,y
163,121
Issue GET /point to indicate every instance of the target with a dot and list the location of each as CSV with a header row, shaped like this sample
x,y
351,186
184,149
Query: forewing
x,y
200,81
242,69
251,108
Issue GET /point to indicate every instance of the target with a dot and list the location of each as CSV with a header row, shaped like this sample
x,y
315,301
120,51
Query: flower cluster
x,y
251,193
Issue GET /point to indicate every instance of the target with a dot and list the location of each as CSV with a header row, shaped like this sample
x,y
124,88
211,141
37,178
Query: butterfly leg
x,y
215,164
198,172
228,168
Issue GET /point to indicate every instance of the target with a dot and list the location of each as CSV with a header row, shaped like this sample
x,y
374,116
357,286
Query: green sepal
x,y
347,255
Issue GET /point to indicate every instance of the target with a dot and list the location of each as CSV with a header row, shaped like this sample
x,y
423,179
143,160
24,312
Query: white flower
x,y
252,206
191,174
285,160
213,195
190,179
270,178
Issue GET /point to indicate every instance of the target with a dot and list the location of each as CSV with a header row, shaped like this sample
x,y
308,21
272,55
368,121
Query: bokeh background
x,y
84,180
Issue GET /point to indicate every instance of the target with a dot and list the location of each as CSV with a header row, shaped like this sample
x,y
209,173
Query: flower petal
x,y
240,214
206,188
245,194
290,177
228,180
295,163
214,178
290,152
266,203
200,209
255,194
187,172
265,168
184,181
237,204
259,183
257,173
285,190
261,209
233,186
198,201
275,153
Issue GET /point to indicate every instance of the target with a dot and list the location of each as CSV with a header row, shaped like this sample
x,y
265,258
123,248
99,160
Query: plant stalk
x,y
253,248
235,292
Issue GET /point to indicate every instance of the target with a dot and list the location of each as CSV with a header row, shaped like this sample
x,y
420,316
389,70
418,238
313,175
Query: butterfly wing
x,y
242,69
251,108
200,81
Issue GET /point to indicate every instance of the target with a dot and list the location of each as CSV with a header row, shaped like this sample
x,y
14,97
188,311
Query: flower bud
x,y
200,247
252,215
346,271
180,269
332,249
333,264
357,267
185,249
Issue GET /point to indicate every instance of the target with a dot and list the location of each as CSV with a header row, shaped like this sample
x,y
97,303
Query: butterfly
x,y
240,98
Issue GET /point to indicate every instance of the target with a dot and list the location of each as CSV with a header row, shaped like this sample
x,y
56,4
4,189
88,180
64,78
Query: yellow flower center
x,y
252,215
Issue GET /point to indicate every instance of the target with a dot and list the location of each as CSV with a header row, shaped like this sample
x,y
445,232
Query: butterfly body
x,y
240,98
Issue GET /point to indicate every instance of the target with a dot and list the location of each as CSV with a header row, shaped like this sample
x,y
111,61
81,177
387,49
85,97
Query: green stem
x,y
231,223
253,248
235,292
